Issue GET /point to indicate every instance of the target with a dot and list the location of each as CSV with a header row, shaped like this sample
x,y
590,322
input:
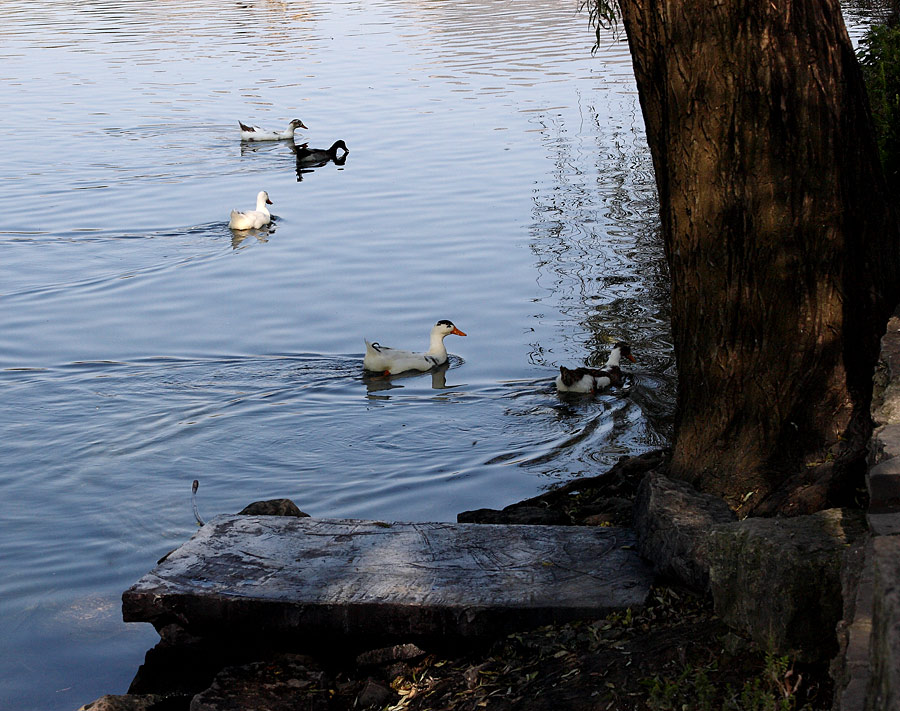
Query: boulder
x,y
521,515
386,655
390,662
779,580
289,682
375,695
273,507
614,510
672,520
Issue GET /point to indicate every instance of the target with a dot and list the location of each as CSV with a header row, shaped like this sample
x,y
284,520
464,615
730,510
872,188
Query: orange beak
x,y
457,331
630,357
269,202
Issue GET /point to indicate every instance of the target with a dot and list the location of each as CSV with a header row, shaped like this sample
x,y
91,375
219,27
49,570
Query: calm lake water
x,y
498,176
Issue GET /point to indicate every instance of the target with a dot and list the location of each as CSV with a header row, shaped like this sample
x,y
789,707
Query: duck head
x,y
297,123
445,328
568,376
338,146
262,199
624,350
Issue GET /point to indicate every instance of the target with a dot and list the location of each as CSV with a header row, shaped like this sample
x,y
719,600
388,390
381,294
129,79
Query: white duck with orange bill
x,y
390,361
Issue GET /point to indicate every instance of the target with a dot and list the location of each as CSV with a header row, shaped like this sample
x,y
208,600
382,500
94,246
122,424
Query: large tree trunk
x,y
782,248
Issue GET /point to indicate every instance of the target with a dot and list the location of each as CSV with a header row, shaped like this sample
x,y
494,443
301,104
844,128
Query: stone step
x,y
275,576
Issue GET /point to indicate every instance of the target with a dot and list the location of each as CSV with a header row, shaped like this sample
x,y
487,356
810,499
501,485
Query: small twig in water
x,y
194,487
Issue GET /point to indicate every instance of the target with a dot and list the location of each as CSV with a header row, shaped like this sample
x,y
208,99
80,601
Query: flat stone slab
x,y
271,575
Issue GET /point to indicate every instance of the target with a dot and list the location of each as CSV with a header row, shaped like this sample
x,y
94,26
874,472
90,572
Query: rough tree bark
x,y
782,248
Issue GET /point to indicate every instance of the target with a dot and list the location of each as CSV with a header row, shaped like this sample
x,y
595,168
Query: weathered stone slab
x,y
886,398
778,579
883,690
884,524
885,443
883,483
277,576
850,668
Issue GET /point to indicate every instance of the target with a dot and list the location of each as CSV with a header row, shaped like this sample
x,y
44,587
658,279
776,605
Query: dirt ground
x,y
674,654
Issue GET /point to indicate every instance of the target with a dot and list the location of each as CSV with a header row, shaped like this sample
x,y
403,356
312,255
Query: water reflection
x,y
595,234
261,234
307,159
249,148
860,14
378,383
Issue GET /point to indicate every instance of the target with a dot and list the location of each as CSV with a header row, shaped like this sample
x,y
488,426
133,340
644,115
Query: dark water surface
x,y
498,176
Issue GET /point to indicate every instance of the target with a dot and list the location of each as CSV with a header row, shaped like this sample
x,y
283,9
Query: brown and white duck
x,y
255,133
591,380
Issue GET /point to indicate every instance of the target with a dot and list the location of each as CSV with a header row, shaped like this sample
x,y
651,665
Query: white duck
x,y
255,133
591,380
389,361
252,219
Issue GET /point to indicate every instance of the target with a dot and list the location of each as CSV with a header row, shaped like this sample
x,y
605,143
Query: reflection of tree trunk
x,y
782,249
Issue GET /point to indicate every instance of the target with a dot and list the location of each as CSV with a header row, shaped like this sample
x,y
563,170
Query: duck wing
x,y
382,359
570,376
249,220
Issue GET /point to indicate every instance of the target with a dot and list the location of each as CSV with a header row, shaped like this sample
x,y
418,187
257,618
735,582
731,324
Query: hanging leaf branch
x,y
602,15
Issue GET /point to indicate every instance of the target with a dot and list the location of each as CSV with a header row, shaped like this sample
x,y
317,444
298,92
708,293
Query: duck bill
x,y
457,331
630,357
269,202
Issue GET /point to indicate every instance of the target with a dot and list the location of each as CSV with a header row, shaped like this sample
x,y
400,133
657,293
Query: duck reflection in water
x,y
375,383
309,158
261,234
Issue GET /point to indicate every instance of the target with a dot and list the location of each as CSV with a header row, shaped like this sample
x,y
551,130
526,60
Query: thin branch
x,y
602,15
